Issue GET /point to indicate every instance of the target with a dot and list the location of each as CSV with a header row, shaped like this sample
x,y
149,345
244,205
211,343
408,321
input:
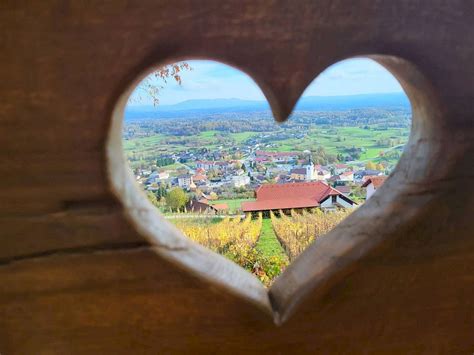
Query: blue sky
x,y
211,80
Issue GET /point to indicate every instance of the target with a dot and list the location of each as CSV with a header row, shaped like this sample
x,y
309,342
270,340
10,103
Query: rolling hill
x,y
191,108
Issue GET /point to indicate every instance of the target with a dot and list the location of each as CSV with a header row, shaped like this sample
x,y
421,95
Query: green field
x,y
242,136
234,205
334,139
268,243
337,139
142,150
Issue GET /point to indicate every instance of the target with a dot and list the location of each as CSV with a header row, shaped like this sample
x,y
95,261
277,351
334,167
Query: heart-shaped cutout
x,y
243,239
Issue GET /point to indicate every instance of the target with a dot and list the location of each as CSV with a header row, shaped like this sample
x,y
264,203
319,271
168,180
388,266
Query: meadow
x,y
334,139
234,204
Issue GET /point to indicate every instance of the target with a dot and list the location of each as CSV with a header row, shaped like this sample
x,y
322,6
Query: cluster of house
x,y
286,167
281,180
212,175
206,175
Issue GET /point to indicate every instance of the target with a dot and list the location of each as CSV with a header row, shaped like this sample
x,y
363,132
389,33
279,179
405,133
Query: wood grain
x,y
80,271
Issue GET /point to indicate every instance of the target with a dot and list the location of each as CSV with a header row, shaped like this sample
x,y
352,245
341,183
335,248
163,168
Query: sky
x,y
211,80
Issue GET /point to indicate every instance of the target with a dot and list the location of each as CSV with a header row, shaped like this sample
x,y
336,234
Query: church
x,y
305,173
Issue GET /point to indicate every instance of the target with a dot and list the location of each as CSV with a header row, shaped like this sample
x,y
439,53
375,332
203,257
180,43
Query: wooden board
x,y
87,267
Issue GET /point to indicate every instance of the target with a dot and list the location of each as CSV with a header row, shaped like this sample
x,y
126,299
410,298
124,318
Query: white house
x,y
322,174
372,184
347,176
240,180
204,165
334,201
213,165
185,181
340,168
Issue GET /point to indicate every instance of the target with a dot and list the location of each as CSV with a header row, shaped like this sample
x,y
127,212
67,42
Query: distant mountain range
x,y
309,103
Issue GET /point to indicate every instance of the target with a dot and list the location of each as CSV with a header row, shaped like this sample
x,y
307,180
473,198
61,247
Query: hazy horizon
x,y
264,100
210,80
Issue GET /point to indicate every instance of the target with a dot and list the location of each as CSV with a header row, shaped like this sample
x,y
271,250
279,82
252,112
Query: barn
x,y
296,196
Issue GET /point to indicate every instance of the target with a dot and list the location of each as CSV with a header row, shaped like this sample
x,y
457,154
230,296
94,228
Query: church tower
x,y
310,170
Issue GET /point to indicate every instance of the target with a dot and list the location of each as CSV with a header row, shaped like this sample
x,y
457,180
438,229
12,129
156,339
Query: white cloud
x,y
210,80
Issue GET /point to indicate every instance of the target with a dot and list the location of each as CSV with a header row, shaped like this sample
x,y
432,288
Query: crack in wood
x,y
82,250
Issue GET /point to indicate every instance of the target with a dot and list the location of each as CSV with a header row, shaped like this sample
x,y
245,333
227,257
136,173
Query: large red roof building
x,y
296,196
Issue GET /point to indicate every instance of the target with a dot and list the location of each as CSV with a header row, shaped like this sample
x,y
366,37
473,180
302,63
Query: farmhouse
x,y
297,196
202,206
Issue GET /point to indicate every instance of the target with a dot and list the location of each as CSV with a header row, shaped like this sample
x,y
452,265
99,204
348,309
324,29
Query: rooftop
x,y
377,181
301,171
291,195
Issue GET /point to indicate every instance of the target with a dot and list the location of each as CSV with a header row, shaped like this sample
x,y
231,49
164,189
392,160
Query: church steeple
x,y
310,170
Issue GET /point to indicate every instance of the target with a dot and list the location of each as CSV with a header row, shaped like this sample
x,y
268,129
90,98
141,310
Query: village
x,y
259,192
256,180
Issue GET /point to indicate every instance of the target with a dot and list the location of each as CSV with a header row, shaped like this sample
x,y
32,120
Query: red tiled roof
x,y
299,171
292,195
376,180
221,206
344,189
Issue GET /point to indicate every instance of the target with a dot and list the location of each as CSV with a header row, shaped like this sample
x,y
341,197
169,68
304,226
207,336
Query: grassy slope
x,y
234,204
242,136
351,136
268,243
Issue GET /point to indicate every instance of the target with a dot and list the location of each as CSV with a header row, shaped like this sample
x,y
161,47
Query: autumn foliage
x,y
297,231
236,238
233,237
155,82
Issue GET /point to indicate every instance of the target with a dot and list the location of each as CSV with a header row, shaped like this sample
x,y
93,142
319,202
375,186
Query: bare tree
x,y
152,85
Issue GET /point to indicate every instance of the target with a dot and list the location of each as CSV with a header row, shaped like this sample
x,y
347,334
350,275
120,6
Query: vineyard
x,y
263,247
234,238
295,233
